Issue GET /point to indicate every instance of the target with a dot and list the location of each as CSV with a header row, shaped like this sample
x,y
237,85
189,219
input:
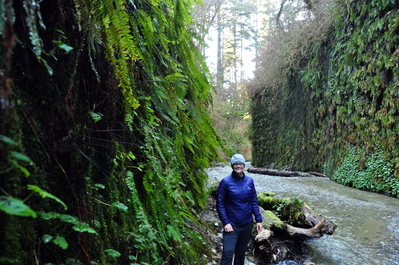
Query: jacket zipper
x,y
243,201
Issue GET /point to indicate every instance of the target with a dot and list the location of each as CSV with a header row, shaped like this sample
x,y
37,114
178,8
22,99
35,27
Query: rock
x,y
287,262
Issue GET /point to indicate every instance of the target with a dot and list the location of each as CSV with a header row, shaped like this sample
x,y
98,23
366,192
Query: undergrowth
x,y
371,173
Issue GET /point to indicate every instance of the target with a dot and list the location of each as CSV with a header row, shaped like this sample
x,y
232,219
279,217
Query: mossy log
x,y
284,173
287,223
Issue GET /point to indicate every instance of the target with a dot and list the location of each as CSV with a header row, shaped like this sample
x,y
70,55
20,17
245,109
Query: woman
x,y
236,205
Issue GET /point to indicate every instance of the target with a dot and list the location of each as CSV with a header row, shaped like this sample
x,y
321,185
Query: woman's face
x,y
238,168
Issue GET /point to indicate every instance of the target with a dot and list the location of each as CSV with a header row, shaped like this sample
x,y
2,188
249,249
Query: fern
x,y
166,95
120,44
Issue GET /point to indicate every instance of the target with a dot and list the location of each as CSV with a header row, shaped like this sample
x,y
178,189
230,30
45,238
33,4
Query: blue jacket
x,y
236,201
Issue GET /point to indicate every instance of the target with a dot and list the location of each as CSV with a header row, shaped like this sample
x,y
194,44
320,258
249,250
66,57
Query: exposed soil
x,y
213,233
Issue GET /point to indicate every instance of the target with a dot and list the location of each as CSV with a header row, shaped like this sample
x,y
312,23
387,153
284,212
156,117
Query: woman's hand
x,y
259,227
228,228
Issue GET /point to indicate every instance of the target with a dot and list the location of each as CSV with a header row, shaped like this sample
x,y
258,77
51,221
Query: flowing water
x,y
368,223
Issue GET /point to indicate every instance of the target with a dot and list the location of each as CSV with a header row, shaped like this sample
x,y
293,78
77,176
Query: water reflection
x,y
368,223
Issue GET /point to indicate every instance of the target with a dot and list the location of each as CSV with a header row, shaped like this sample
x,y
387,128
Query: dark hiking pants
x,y
235,245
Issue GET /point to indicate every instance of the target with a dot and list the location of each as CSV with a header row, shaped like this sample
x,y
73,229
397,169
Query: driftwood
x,y
317,174
287,223
284,173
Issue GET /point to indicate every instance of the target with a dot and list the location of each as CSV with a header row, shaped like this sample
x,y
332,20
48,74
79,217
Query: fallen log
x,y
284,173
287,223
295,212
273,172
317,174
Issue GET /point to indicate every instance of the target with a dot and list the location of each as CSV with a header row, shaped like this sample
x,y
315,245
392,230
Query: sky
x,y
211,55
249,52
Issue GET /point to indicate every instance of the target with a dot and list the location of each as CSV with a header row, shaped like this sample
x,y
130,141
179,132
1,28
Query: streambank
x,y
368,223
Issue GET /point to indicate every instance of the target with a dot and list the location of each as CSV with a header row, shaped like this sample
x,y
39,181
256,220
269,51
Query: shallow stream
x,y
368,223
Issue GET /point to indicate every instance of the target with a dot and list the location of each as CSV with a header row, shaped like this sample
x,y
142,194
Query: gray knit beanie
x,y
237,158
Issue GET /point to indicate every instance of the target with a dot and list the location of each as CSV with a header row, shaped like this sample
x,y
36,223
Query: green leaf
x,y
70,261
23,169
7,140
15,207
4,260
96,116
113,253
77,225
101,186
45,194
47,238
48,68
60,241
84,227
63,46
20,156
120,206
48,216
68,219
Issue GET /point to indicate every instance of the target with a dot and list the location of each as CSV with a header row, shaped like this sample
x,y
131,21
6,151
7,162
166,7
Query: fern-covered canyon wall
x,y
331,104
104,135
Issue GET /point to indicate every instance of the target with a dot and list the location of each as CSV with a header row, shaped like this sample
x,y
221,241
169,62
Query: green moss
x,y
271,220
343,96
267,200
287,209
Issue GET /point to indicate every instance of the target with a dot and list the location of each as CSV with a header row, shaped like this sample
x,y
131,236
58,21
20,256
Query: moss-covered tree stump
x,y
287,223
